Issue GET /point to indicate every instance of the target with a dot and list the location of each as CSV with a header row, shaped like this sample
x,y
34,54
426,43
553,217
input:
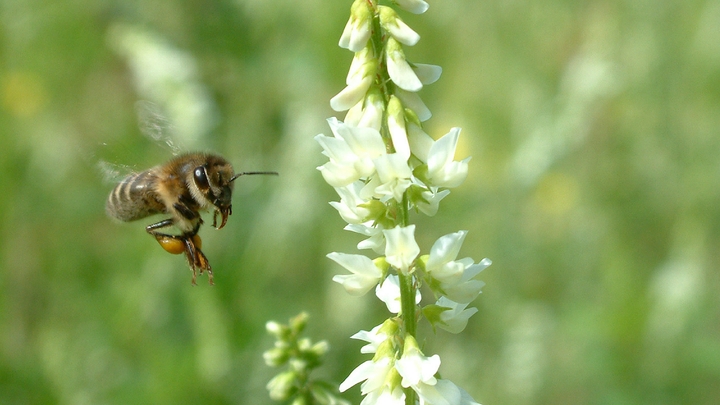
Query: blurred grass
x,y
593,187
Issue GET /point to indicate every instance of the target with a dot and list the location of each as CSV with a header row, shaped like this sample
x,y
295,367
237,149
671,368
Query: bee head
x,y
215,180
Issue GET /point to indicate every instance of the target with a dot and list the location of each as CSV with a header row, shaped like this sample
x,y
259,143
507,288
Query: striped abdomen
x,y
135,197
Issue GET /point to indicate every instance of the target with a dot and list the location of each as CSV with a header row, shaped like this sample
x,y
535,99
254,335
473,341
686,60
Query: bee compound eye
x,y
201,179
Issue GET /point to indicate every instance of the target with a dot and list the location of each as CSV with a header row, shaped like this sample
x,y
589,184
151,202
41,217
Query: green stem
x,y
407,303
407,297
409,319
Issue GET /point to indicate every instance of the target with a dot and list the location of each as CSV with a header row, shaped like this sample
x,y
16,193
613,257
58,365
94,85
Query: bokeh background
x,y
594,188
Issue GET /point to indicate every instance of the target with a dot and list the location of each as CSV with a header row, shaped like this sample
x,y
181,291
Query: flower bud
x,y
399,69
298,322
282,386
396,126
392,23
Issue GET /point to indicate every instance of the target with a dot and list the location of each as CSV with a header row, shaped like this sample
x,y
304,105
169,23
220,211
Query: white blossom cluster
x,y
383,165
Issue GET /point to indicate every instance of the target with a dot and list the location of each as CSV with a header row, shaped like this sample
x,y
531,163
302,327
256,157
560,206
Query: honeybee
x,y
182,188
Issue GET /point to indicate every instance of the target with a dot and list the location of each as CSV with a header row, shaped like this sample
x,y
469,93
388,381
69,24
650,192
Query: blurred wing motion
x,y
154,125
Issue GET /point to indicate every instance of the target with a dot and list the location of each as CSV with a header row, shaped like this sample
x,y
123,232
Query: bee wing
x,y
155,125
113,173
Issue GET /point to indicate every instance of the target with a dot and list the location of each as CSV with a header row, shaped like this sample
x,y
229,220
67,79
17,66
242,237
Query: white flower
x,y
440,263
401,248
444,392
389,293
360,77
455,318
456,277
413,6
375,240
393,176
466,289
368,112
351,151
414,367
374,374
420,142
374,337
433,198
365,275
392,23
442,170
396,127
399,69
349,205
358,28
385,396
413,102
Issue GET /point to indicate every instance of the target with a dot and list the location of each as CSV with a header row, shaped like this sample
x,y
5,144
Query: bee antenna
x,y
248,173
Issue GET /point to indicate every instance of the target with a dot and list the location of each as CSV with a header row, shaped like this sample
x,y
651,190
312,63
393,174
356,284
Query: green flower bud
x,y
282,386
298,323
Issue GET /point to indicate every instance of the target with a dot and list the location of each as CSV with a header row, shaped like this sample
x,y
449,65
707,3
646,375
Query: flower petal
x,y
413,6
413,102
442,170
390,20
428,74
396,127
351,94
401,248
398,68
365,274
445,250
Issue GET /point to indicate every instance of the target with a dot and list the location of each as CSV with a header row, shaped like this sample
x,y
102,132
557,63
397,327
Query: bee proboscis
x,y
182,188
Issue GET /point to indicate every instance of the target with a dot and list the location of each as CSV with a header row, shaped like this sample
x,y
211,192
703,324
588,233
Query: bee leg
x,y
191,255
162,224
197,259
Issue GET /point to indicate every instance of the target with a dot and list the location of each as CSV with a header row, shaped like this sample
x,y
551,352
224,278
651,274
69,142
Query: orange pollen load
x,y
177,246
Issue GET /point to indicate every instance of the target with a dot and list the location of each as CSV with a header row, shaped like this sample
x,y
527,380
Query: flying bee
x,y
182,188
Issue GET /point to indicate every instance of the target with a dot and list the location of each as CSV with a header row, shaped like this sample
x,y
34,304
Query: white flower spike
x,y
382,165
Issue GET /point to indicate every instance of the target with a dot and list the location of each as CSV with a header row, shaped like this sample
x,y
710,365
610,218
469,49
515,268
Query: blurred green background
x,y
594,188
